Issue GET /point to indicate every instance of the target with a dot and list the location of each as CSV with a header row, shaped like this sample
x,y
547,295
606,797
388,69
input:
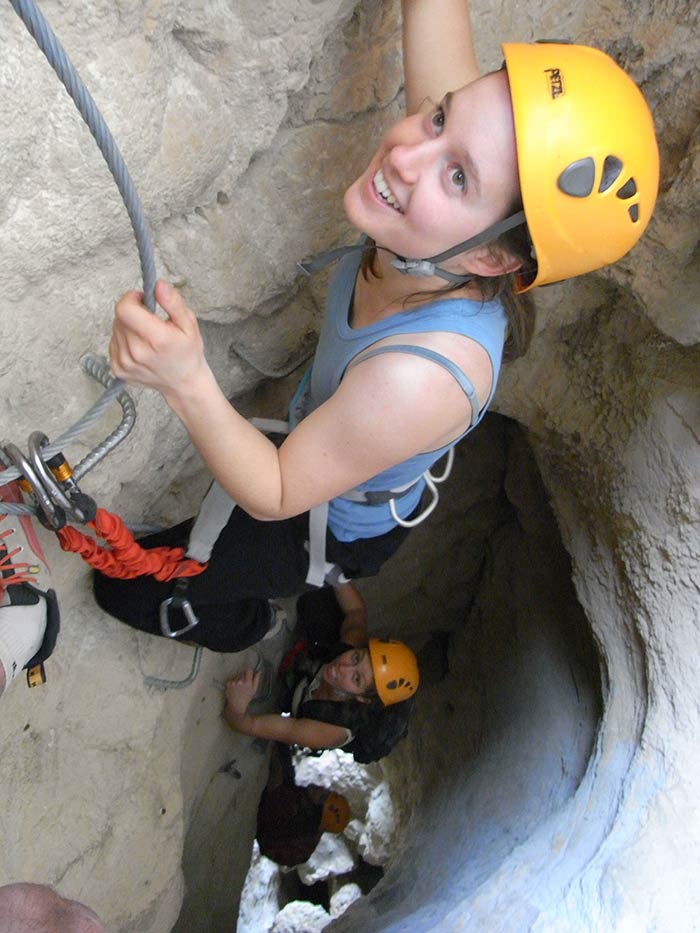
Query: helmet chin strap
x,y
428,267
424,268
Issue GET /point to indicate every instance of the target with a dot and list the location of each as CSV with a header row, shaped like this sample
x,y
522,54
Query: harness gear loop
x,y
431,482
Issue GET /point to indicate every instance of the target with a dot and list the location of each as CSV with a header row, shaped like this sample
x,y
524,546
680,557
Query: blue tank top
x,y
339,344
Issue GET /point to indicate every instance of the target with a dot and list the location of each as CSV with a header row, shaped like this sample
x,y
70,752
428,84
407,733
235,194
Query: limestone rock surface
x,y
559,713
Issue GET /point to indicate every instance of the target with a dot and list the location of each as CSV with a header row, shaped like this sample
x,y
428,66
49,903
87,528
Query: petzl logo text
x,y
556,82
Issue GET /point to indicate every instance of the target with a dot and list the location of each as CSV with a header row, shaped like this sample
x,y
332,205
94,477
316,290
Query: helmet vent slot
x,y
627,190
633,210
611,170
578,178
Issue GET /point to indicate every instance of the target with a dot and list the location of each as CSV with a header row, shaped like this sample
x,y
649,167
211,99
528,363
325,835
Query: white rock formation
x,y
341,899
332,856
260,895
301,915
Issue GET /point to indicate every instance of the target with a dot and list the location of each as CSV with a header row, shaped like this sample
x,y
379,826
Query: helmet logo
x,y
556,82
395,684
578,179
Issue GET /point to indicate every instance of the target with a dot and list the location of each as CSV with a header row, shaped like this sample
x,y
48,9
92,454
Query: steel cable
x,y
55,54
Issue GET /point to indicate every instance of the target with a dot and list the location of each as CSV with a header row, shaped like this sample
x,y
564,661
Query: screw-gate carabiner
x,y
79,512
53,515
36,441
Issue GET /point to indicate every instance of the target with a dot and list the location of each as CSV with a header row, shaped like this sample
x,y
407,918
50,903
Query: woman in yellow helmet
x,y
545,169
331,699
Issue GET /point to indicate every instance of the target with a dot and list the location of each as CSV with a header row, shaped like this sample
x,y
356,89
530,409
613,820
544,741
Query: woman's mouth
x,y
383,190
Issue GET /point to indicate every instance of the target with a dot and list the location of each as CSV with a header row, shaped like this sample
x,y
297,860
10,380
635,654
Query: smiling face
x,y
441,177
351,672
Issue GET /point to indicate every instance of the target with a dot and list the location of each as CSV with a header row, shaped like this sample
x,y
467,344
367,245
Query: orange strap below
x,y
127,559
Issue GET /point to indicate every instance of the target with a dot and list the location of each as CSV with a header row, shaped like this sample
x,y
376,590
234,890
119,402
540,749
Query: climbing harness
x,y
321,571
217,507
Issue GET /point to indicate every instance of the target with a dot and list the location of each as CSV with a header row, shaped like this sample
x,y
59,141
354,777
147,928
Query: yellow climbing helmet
x,y
335,815
395,670
587,157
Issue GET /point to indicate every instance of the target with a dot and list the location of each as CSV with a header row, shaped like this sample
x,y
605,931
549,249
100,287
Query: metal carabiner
x,y
54,516
36,441
179,602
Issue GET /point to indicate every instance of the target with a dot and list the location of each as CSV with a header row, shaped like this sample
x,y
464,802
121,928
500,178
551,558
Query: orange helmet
x,y
587,156
336,813
395,670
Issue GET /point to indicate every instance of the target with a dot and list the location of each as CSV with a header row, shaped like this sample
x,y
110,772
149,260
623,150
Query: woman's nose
x,y
407,160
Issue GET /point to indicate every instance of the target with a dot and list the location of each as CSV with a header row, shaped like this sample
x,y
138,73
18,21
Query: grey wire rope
x,y
45,38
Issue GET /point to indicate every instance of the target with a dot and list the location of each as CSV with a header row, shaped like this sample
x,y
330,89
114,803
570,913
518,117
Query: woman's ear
x,y
487,262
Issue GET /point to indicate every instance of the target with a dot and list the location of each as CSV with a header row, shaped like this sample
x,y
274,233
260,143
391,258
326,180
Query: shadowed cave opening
x,y
509,713
490,786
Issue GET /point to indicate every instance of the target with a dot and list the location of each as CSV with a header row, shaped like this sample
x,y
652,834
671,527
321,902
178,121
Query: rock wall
x,y
240,124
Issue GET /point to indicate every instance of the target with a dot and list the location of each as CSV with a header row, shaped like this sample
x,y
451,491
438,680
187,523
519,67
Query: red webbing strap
x,y
289,657
127,559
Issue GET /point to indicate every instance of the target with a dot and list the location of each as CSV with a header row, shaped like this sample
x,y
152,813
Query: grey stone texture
x,y
551,778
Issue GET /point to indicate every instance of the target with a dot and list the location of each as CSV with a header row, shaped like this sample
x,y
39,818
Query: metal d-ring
x,y
54,516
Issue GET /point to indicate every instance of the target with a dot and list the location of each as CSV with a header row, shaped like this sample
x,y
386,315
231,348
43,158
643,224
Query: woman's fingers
x,y
172,302
149,351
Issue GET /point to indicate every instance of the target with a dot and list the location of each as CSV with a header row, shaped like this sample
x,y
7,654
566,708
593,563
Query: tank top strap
x,y
464,382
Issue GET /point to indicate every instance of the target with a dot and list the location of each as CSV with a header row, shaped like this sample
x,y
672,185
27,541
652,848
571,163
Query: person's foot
x,y
29,618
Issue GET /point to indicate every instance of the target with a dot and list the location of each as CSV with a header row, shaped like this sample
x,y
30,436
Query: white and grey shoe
x,y
29,616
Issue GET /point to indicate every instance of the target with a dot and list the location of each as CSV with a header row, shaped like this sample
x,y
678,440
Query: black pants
x,y
252,562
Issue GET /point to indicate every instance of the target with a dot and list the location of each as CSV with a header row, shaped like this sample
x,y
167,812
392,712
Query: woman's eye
x,y
356,658
438,119
356,680
458,178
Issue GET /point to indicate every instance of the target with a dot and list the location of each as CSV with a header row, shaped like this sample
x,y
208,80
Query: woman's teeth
x,y
384,191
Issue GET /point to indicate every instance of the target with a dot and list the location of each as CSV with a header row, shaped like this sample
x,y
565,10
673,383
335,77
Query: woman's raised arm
x,y
309,733
438,50
354,629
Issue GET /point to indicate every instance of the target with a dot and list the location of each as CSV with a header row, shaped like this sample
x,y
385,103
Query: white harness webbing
x,y
217,507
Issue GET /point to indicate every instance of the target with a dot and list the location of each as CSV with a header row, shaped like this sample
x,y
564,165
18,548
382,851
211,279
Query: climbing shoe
x,y
29,615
